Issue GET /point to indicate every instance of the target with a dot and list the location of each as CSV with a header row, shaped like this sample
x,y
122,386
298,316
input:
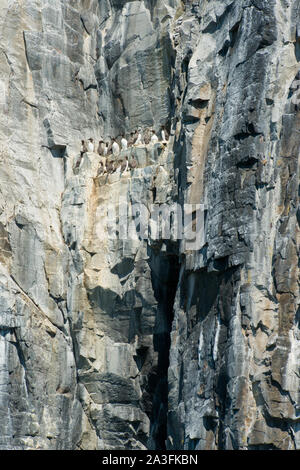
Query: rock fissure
x,y
111,342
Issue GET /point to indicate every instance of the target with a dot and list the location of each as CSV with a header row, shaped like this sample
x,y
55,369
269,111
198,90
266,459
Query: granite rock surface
x,y
108,343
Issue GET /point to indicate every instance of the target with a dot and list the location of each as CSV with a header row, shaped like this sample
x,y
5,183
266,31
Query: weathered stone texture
x,y
112,344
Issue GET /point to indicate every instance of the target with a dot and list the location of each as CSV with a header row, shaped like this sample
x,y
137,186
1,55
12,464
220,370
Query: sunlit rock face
x,y
108,343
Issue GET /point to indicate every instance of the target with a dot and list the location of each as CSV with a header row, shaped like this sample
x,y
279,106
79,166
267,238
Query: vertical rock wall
x,y
234,356
113,344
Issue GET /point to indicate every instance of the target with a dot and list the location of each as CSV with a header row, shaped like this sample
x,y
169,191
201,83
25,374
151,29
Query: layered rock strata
x,y
132,344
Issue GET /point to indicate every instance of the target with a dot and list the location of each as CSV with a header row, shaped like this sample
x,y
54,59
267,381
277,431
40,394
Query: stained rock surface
x,y
108,343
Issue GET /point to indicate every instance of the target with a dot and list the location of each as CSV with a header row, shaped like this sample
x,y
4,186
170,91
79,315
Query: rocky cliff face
x,y
128,344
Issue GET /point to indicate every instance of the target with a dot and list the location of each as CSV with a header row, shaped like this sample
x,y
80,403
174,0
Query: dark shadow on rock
x,y
58,151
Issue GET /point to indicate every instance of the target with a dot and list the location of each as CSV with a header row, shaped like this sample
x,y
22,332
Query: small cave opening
x,y
165,275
